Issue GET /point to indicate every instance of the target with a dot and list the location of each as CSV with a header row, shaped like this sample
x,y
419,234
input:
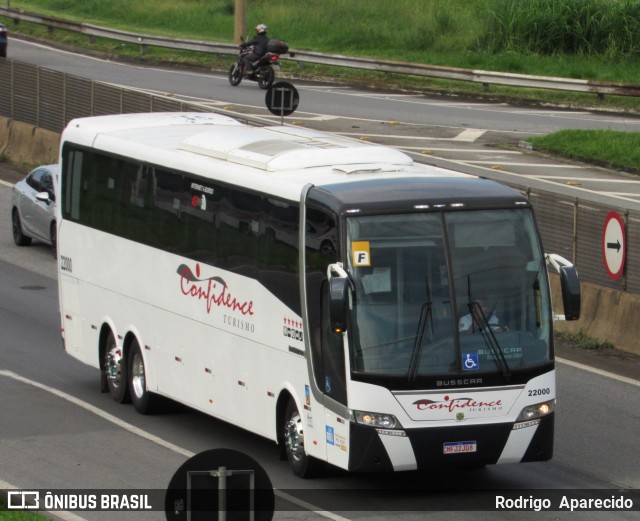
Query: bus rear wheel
x,y
144,401
115,370
303,465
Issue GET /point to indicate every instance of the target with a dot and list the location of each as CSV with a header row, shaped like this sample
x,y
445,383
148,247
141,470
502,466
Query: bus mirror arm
x,y
570,285
339,283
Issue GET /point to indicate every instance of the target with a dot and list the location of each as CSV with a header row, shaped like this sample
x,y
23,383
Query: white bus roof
x,y
276,159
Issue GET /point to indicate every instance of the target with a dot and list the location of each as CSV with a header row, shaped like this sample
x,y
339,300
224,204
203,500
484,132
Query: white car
x,y
33,207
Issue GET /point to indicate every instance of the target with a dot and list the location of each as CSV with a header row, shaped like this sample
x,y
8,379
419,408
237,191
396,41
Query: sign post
x,y
614,245
282,99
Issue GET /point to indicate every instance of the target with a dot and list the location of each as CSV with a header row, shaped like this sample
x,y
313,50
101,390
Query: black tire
x,y
144,401
54,240
115,371
235,74
18,235
266,77
303,466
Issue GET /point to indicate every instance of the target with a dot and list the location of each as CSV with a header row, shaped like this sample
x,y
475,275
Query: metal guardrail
x,y
600,88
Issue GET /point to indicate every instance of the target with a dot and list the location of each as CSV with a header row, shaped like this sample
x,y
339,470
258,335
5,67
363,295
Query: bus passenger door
x,y
328,359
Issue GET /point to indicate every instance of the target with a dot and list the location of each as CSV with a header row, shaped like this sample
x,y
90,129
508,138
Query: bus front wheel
x,y
115,370
144,401
303,465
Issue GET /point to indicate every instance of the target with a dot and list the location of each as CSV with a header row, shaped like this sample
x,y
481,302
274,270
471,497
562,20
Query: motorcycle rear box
x,y
277,46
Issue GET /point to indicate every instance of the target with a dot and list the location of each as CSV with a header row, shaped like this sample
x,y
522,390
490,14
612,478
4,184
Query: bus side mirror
x,y
338,303
570,284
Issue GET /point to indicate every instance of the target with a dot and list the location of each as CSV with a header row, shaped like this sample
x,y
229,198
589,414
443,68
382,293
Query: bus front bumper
x,y
375,450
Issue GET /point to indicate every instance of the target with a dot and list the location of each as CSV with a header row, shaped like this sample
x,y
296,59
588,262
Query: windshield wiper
x,y
425,317
478,317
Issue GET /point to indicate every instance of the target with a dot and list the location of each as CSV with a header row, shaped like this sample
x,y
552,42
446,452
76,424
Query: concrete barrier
x,y
27,144
607,315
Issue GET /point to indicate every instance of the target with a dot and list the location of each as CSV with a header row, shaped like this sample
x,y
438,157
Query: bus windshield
x,y
449,293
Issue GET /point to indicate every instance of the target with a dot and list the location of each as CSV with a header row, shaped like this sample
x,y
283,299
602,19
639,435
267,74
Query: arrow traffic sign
x,y
614,245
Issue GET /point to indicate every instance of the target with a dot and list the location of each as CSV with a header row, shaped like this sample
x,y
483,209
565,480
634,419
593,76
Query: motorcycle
x,y
263,69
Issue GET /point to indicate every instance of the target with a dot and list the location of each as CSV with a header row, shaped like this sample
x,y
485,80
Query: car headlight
x,y
533,412
375,419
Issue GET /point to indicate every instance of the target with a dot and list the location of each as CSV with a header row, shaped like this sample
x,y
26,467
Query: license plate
x,y
459,447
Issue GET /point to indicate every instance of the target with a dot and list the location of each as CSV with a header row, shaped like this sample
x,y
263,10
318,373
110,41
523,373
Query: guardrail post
x,y
575,231
143,46
626,234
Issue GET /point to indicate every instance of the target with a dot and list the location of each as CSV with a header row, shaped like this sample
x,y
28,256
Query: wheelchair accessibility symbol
x,y
470,362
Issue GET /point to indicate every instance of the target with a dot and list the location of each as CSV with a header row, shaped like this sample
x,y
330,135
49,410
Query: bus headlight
x,y
375,419
533,412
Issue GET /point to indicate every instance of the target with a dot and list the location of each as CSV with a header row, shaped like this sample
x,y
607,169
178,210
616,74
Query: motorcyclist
x,y
259,49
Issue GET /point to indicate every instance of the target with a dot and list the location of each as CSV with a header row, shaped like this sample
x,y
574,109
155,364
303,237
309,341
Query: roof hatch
x,y
273,150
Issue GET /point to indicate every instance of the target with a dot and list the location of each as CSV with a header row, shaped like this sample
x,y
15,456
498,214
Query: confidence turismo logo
x,y
452,404
213,291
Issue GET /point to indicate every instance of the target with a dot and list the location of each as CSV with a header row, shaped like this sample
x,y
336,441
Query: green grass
x,y
608,148
582,340
608,28
17,515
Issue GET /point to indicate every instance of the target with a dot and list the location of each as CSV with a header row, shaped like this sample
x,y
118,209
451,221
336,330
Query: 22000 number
x,y
66,264
539,392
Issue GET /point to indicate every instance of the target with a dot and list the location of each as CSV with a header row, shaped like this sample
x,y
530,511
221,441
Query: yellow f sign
x,y
361,253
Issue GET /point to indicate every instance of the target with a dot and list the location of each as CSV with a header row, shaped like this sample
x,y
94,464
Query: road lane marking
x,y
470,135
152,438
592,179
464,150
535,165
513,175
599,372
99,412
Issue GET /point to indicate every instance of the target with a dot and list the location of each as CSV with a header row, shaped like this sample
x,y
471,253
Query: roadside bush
x,y
608,28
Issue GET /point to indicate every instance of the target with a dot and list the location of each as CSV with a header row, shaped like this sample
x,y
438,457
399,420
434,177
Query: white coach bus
x,y
328,294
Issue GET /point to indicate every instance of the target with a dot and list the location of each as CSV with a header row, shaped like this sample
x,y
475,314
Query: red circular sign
x,y
614,245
